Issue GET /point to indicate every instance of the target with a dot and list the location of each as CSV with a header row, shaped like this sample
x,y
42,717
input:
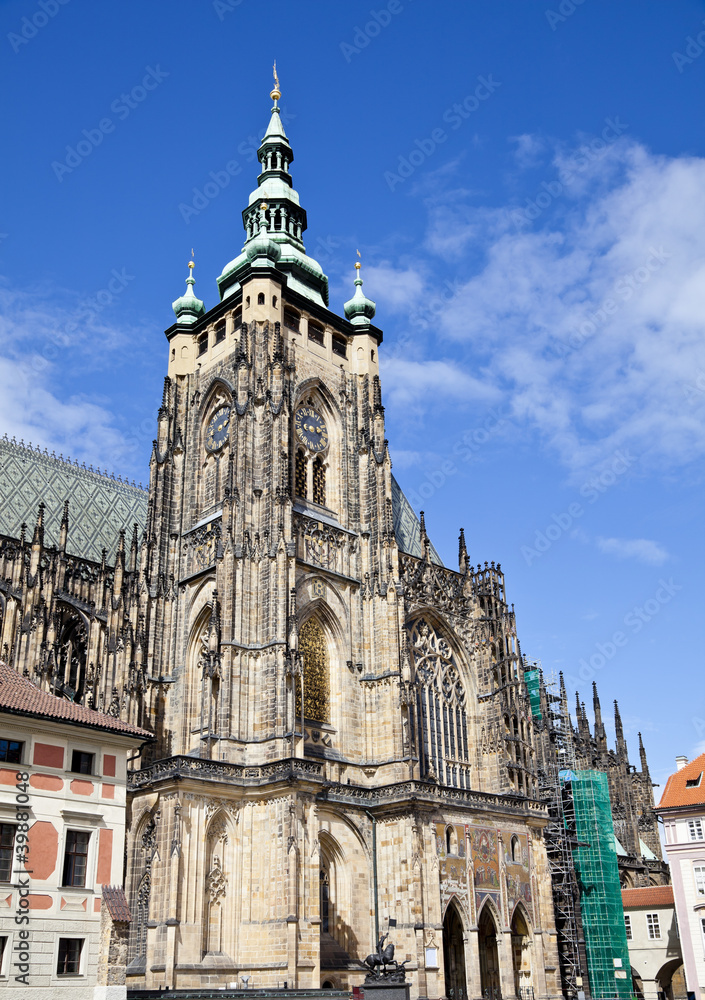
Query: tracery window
x,y
319,481
70,678
313,647
437,715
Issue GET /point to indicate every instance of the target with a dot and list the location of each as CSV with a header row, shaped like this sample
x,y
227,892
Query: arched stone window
x,y
144,849
301,475
313,647
515,848
438,716
319,481
71,673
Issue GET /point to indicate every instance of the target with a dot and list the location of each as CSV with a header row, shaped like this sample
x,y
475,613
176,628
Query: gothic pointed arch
x,y
69,677
438,710
315,675
143,846
488,924
522,951
200,711
217,930
214,433
454,950
317,445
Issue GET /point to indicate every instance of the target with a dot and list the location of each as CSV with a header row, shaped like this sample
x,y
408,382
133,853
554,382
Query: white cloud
x,y
588,319
36,339
409,384
529,149
642,549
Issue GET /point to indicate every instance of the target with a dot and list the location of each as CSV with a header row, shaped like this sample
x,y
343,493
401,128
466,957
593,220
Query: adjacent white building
x,y
654,943
682,808
63,779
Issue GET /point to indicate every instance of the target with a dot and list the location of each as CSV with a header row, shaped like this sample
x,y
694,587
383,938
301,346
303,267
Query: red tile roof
x,y
116,902
21,697
651,895
676,794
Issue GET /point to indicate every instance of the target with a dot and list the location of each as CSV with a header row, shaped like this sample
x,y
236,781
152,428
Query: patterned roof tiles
x,y
20,696
677,793
99,505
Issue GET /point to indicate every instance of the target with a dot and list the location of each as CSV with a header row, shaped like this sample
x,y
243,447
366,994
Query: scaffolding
x,y
559,834
595,861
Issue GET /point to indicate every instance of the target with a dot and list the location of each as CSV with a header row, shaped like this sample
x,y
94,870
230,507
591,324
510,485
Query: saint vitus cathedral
x,y
344,738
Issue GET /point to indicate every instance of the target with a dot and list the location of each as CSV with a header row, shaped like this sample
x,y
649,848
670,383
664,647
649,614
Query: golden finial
x,y
264,206
276,93
191,264
358,265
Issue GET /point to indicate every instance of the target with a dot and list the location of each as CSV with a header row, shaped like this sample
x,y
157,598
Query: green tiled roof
x,y
99,504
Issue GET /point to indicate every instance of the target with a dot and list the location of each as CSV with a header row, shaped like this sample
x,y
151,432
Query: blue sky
x,y
525,182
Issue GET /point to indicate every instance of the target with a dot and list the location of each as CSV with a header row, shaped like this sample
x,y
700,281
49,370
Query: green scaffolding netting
x,y
531,679
598,882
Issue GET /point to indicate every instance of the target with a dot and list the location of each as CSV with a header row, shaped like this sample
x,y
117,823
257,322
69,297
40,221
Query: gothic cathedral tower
x,y
343,735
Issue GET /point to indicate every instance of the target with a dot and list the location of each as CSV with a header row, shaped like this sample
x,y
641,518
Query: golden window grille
x,y
300,478
316,679
319,482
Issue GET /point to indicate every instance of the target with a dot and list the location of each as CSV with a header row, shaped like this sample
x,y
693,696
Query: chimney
x,y
681,762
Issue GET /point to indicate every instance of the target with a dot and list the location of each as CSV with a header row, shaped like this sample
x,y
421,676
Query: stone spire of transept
x,y
619,732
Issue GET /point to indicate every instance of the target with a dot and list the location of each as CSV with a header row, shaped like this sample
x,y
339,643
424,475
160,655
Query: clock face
x,y
217,430
311,429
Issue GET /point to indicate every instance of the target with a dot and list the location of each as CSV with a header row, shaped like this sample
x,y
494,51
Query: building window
x,y
202,344
437,718
628,926
653,926
316,332
82,762
11,751
695,828
69,963
274,301
516,849
301,475
699,873
7,843
340,346
314,652
237,318
76,858
291,319
319,481
220,332
260,299
694,782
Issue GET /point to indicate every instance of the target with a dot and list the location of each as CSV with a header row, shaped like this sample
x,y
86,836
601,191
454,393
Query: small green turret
x,y
359,309
187,307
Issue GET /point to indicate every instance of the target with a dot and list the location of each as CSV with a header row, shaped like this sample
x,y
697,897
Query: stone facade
x,y
344,743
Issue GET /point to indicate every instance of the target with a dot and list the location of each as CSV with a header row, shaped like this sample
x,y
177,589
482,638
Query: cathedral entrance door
x,y
489,958
521,955
454,954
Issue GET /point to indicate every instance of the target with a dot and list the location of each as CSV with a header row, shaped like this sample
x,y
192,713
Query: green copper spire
x,y
274,216
187,307
359,309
